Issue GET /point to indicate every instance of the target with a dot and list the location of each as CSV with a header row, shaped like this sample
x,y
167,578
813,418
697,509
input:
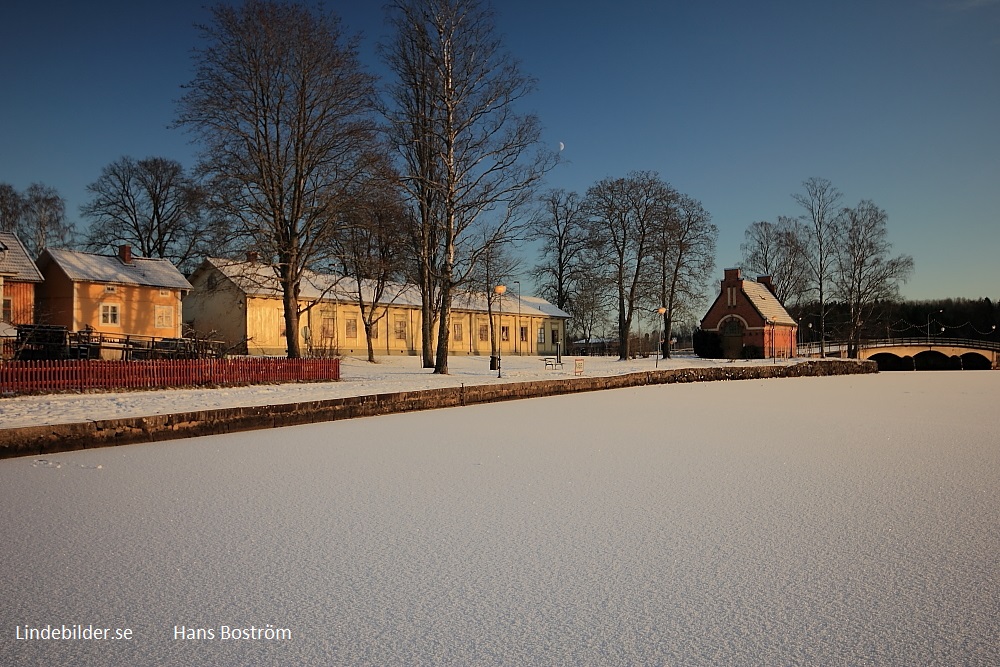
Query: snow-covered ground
x,y
358,377
809,521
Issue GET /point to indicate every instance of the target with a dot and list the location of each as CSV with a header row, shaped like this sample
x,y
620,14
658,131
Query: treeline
x,y
973,319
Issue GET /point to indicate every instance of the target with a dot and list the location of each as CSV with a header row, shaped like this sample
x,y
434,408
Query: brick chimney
x,y
732,276
768,283
125,254
251,256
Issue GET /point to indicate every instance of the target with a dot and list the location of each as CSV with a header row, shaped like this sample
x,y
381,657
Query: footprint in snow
x,y
49,463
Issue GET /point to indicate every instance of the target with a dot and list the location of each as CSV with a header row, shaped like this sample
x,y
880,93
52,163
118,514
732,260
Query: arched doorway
x,y
731,332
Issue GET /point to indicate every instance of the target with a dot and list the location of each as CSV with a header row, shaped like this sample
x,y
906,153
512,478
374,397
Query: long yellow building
x,y
240,303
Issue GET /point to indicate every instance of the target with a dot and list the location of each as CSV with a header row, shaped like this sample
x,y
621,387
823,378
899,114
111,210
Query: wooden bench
x,y
553,363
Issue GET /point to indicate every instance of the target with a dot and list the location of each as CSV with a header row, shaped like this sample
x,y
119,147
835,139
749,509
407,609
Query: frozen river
x,y
809,521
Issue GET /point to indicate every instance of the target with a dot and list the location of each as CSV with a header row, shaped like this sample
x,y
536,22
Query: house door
x,y
732,338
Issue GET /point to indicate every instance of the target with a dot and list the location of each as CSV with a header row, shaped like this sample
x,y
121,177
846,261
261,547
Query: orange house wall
x,y
136,309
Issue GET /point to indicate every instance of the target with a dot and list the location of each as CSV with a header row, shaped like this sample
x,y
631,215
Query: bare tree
x,y
411,111
283,108
152,205
42,222
684,249
820,201
863,271
369,250
10,208
774,249
623,216
496,265
561,229
470,160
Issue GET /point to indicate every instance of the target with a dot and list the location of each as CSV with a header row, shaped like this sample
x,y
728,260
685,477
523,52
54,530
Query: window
x,y
484,333
541,335
352,328
524,334
504,333
399,326
328,327
375,330
555,336
458,332
164,317
110,289
731,297
164,292
109,314
8,310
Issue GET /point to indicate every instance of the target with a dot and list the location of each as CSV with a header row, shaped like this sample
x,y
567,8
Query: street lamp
x,y
517,341
929,325
663,335
499,290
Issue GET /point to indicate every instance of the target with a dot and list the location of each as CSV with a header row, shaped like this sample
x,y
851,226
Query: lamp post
x,y
499,290
517,341
929,325
663,335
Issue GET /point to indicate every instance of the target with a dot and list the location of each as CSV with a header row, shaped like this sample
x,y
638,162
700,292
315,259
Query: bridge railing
x,y
911,341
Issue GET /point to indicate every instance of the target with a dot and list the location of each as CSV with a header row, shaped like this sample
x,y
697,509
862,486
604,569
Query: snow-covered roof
x,y
766,303
15,264
257,279
87,267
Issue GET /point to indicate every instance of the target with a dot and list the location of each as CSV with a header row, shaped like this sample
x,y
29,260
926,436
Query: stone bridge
x,y
920,353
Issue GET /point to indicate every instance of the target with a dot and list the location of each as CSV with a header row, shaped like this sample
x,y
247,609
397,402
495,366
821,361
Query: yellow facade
x,y
332,327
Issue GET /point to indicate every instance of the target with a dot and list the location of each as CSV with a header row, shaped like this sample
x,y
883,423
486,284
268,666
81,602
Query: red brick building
x,y
746,313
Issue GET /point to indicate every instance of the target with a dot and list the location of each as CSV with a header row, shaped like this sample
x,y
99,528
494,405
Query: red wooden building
x,y
747,313
18,278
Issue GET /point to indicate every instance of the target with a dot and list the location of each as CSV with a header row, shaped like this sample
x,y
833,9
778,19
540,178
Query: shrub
x,y
707,344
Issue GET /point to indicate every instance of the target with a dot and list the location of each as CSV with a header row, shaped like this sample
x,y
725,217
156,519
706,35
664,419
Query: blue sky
x,y
733,102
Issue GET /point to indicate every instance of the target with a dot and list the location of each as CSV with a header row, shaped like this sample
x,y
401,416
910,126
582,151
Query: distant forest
x,y
975,319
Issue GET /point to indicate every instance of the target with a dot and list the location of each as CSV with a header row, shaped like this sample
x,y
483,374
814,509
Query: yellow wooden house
x,y
239,302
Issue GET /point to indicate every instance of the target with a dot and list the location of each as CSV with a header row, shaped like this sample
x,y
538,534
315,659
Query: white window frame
x,y
111,315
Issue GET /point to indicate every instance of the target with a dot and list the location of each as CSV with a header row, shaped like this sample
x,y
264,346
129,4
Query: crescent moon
x,y
561,146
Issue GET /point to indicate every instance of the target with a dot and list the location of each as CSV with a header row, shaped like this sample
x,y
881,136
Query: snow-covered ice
x,y
809,521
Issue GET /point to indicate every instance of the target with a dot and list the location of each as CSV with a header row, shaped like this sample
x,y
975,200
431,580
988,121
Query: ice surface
x,y
808,521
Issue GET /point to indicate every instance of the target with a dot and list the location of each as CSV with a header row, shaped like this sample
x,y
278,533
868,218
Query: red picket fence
x,y
19,377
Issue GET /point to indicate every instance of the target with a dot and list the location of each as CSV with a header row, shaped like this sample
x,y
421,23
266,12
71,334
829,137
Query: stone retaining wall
x,y
33,440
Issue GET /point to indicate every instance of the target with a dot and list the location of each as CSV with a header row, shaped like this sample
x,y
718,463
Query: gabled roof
x,y
766,303
257,279
143,271
15,264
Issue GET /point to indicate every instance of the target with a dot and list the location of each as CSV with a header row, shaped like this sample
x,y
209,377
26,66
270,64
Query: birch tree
x,y
470,160
864,273
820,200
283,109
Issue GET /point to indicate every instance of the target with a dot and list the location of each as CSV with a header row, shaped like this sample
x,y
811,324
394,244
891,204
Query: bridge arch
x,y
933,360
974,361
887,361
